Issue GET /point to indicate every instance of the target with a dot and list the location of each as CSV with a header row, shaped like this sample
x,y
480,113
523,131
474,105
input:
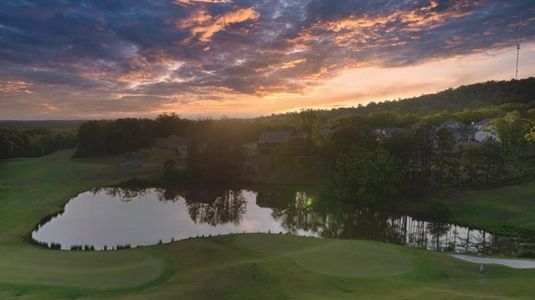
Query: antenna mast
x,y
517,54
518,47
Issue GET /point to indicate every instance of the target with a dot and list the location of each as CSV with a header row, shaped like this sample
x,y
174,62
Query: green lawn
x,y
496,209
254,266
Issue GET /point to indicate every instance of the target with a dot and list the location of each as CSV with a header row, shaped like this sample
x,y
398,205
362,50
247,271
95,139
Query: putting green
x,y
335,257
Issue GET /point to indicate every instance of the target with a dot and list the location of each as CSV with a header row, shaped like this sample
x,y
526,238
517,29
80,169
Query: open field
x,y
258,266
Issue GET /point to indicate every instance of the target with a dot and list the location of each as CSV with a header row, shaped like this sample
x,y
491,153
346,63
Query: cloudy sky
x,y
63,59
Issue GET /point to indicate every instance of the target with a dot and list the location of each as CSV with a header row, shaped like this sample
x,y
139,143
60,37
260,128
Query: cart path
x,y
512,263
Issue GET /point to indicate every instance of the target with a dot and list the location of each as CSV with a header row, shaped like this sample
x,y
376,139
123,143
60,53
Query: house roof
x,y
388,131
484,122
418,125
276,136
459,133
451,123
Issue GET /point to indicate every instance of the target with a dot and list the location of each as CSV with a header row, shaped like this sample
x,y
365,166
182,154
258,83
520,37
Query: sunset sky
x,y
64,59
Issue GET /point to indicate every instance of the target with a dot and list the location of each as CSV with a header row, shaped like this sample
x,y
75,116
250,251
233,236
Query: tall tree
x,y
512,129
370,177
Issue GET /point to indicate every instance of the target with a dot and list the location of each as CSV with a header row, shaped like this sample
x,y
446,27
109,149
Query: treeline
x,y
354,159
34,143
466,103
215,153
127,135
357,164
113,137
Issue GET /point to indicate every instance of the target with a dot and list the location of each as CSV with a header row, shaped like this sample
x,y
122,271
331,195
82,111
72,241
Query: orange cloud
x,y
360,84
361,30
203,26
190,2
15,87
145,72
292,64
49,106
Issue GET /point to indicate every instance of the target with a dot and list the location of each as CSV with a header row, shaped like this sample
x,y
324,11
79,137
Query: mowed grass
x,y
494,208
335,257
253,266
31,265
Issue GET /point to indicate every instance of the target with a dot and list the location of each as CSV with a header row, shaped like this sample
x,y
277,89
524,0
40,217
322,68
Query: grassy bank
x,y
506,210
255,266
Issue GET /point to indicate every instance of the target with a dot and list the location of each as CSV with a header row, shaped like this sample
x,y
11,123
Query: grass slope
x,y
256,266
497,210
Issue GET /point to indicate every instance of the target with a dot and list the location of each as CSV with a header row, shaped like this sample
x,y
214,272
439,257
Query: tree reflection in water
x,y
331,219
307,213
228,206
125,194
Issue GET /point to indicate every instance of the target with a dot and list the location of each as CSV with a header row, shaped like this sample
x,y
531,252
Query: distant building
x,y
481,124
462,134
484,134
418,125
269,140
452,123
483,131
176,143
388,132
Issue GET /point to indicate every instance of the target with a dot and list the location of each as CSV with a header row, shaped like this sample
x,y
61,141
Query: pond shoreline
x,y
204,211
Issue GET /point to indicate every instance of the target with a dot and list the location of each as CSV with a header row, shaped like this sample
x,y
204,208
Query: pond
x,y
111,218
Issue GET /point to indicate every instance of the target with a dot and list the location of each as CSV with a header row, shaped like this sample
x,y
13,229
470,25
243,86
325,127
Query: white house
x,y
481,124
483,131
486,133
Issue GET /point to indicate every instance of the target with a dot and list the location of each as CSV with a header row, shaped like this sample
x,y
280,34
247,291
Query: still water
x,y
109,217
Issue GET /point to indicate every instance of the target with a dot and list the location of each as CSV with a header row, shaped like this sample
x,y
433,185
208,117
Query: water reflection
x,y
109,217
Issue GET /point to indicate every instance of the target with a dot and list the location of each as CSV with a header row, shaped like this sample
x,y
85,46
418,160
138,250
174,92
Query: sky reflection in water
x,y
114,216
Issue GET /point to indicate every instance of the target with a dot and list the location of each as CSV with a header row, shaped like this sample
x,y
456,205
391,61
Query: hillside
x,y
468,97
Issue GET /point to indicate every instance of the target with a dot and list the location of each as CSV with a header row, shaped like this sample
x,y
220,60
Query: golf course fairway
x,y
238,266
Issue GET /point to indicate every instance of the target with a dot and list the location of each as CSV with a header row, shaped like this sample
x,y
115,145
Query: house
x,y
418,125
388,132
462,134
483,132
482,135
452,123
481,124
269,140
176,143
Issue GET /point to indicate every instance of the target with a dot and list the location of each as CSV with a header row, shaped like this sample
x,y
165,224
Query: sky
x,y
96,59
